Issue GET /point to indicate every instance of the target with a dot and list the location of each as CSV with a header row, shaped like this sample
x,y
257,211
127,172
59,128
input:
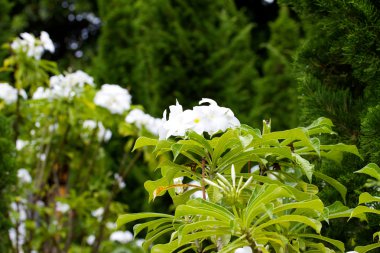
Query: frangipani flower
x,y
122,237
245,249
103,134
141,119
32,46
9,94
24,176
114,98
209,118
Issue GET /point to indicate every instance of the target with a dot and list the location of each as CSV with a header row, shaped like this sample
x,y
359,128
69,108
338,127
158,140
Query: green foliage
x,y
8,179
276,96
338,72
270,209
171,49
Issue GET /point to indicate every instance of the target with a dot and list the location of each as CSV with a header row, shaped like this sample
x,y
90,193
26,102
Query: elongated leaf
x,y
363,209
154,187
372,170
201,225
173,245
316,225
144,141
305,165
315,204
364,249
150,225
154,235
365,197
126,218
336,243
334,183
342,148
200,139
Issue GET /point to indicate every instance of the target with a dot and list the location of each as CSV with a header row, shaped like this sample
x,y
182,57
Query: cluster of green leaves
x,y
270,208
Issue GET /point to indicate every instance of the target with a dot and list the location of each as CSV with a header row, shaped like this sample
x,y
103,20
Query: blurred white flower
x,y
245,249
103,134
67,86
120,181
42,93
90,239
47,43
114,98
209,118
139,242
111,225
20,144
121,236
9,94
17,234
141,119
178,189
24,176
98,213
61,207
198,194
32,46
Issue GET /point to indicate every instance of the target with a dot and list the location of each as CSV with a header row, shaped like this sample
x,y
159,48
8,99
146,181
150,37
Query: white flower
x,y
24,176
18,238
9,94
111,225
90,239
102,133
122,237
32,46
61,207
20,144
47,43
204,118
198,194
119,180
178,189
98,213
42,93
139,242
245,249
67,86
114,98
141,119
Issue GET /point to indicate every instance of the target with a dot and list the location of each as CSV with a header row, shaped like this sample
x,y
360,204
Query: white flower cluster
x,y
64,86
24,176
122,237
9,94
204,118
141,119
17,233
119,180
114,98
62,207
102,133
32,46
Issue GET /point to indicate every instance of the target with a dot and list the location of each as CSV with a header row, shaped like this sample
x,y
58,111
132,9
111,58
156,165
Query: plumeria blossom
x,y
245,249
32,46
61,207
17,234
209,118
114,98
103,134
121,236
90,239
64,86
9,94
141,119
24,176
178,181
98,213
119,180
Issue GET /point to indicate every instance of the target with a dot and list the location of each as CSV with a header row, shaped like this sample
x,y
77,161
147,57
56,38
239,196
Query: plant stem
x,y
203,178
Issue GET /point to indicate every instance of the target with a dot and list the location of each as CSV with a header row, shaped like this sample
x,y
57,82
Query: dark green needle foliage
x,y
339,77
168,49
7,179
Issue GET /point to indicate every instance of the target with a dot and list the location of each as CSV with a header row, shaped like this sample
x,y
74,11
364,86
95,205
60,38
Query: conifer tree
x,y
168,49
339,72
276,96
8,178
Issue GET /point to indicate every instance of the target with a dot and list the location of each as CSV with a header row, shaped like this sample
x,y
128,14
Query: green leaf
x,y
372,170
364,249
334,183
144,141
152,186
365,197
363,209
126,218
315,204
150,225
342,148
336,243
305,165
316,225
200,139
201,225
